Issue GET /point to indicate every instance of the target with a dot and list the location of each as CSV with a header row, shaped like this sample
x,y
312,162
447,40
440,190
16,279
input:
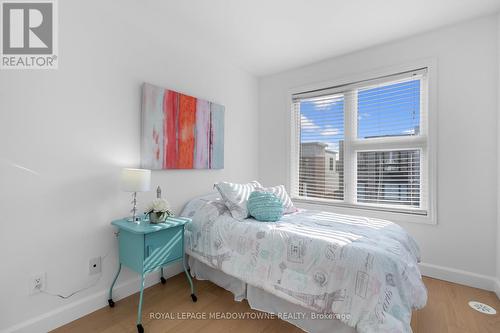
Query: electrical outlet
x,y
37,283
95,266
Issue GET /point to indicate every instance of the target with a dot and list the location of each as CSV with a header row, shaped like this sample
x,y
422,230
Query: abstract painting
x,y
180,131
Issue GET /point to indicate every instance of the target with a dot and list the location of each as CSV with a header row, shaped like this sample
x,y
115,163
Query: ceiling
x,y
269,36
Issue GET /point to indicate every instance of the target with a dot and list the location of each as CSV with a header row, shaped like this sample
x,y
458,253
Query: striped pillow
x,y
235,196
265,206
281,193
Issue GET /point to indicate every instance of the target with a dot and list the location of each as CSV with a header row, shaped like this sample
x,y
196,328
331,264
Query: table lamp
x,y
135,180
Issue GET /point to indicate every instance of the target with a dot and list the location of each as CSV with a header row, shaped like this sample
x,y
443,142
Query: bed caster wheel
x,y
111,303
194,298
163,281
140,329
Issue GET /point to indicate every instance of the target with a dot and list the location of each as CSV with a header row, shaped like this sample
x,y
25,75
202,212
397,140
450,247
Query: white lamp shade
x,y
136,180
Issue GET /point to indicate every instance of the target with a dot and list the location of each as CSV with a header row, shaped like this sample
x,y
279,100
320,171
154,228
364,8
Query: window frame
x,y
428,212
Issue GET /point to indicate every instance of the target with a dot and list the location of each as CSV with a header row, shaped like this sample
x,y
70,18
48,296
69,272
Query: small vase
x,y
157,217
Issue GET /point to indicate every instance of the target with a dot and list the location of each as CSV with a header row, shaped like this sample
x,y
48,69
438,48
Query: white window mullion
x,y
350,133
425,195
295,149
390,143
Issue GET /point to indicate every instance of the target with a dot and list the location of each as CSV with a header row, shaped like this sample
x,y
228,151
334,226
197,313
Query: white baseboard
x,y
65,314
459,276
497,288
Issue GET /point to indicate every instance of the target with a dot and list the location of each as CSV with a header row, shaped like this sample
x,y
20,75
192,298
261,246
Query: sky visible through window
x,y
390,110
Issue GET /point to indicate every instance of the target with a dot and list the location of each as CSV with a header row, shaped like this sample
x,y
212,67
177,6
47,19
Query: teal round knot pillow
x,y
265,206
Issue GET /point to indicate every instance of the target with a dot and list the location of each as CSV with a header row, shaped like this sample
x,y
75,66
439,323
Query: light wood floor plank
x,y
446,311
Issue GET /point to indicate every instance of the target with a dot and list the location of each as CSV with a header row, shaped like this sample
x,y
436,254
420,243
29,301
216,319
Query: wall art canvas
x,y
180,131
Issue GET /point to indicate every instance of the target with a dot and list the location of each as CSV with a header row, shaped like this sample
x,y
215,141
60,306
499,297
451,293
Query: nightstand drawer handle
x,y
148,250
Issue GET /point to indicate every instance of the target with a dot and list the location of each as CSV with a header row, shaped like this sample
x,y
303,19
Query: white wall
x,y
462,246
65,135
497,289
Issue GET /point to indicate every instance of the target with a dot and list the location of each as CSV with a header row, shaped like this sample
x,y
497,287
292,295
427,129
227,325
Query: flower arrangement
x,y
158,211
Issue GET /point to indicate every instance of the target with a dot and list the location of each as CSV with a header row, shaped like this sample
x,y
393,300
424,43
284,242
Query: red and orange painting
x,y
180,131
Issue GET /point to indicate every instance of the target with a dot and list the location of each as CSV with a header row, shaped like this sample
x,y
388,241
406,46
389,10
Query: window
x,y
363,144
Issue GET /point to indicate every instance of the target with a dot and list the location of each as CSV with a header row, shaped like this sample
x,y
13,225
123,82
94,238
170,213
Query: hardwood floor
x,y
446,311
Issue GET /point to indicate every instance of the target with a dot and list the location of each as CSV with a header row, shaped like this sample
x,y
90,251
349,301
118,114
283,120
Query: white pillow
x,y
235,196
281,193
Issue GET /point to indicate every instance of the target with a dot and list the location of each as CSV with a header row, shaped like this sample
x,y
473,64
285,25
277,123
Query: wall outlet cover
x,y
95,265
36,283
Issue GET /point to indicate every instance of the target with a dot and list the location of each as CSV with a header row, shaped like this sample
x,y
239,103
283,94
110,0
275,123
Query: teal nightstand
x,y
145,247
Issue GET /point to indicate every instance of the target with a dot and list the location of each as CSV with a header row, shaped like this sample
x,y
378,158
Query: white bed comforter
x,y
362,271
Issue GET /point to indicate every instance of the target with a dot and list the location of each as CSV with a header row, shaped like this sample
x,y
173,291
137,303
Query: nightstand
x,y
146,247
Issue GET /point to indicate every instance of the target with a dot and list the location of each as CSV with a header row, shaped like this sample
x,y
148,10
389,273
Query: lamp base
x,y
134,218
136,221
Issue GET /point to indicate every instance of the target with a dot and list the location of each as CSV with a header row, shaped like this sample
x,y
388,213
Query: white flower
x,y
159,206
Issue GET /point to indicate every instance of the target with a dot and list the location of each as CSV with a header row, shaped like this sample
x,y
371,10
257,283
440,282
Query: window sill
x,y
386,213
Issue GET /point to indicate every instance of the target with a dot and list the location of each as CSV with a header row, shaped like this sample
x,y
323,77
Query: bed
x,y
322,272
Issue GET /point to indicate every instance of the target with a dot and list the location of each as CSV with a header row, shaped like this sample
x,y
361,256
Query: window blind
x,y
321,127
389,177
363,143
